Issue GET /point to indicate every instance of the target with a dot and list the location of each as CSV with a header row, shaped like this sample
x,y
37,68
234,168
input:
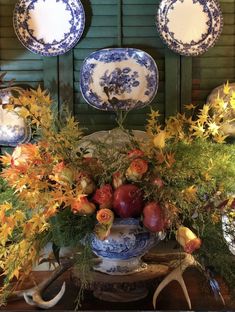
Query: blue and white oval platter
x,y
119,79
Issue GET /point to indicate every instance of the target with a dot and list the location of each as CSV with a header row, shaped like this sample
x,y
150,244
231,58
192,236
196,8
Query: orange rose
x,y
187,239
104,196
105,216
82,206
137,169
135,153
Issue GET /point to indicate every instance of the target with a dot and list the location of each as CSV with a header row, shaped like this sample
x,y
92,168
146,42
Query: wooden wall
x,y
121,23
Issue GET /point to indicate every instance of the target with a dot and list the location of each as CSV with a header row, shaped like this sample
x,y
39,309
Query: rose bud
x,y
84,183
158,182
82,206
102,231
62,174
135,153
137,169
105,216
118,179
187,239
104,196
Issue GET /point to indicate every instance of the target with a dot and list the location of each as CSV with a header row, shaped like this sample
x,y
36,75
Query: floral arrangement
x,y
178,179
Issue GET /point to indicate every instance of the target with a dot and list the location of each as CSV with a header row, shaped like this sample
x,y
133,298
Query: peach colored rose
x,y
135,153
105,216
82,205
137,169
118,179
187,239
84,182
62,174
104,196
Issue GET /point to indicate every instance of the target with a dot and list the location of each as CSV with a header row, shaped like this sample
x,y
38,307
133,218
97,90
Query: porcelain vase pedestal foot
x,y
120,267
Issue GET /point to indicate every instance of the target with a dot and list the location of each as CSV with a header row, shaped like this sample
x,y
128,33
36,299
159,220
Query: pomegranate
x,y
128,201
153,217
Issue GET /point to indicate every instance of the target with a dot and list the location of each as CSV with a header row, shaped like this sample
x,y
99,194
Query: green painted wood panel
x,y
137,28
218,64
127,23
20,64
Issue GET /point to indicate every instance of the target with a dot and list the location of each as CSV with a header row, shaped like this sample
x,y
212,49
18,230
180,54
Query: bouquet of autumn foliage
x,y
179,176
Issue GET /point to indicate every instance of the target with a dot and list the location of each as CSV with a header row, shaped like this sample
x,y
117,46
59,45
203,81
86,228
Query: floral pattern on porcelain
x,y
119,78
120,253
208,22
50,35
127,239
13,129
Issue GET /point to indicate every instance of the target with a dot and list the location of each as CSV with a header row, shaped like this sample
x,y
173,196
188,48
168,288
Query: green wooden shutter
x,y
218,64
115,23
126,23
18,62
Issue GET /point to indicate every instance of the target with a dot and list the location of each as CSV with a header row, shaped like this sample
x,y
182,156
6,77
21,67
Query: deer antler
x,y
33,296
176,274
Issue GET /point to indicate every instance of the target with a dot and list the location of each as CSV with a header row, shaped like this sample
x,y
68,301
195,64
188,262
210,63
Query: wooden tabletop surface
x,y
171,298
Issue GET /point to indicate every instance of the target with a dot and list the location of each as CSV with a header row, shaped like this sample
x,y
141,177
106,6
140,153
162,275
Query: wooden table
x,y
171,298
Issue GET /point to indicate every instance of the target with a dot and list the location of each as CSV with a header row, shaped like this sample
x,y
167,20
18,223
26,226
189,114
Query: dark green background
x,y
127,23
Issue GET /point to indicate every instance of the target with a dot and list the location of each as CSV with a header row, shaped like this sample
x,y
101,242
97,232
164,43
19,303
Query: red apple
x,y
128,201
154,219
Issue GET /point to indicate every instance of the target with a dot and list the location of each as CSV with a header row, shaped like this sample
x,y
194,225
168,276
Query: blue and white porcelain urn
x,y
120,253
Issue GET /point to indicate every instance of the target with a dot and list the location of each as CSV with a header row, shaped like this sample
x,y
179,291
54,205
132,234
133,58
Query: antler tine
x,y
176,274
33,296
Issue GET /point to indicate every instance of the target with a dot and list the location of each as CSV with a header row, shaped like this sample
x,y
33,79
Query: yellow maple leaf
x,y
198,130
213,128
159,139
160,157
190,106
232,102
6,159
207,176
226,88
190,193
154,114
220,138
170,159
6,232
204,113
24,113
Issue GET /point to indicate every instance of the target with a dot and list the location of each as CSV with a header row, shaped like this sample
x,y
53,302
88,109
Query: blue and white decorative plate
x,y
119,78
49,27
189,27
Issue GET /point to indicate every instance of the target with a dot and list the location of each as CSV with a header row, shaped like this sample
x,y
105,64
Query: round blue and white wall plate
x,y
119,79
49,27
189,27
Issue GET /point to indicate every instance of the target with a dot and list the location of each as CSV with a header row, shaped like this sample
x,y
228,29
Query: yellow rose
x,y
159,140
187,239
